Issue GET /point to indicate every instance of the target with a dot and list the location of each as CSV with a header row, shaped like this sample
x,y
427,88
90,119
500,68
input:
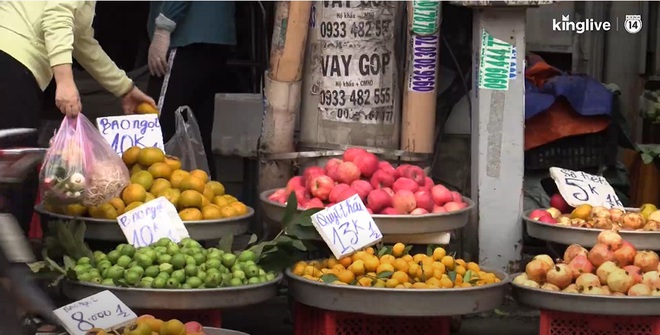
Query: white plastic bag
x,y
186,144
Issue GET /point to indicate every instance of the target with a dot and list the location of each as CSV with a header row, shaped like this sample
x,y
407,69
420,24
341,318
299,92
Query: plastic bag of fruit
x,y
80,167
187,142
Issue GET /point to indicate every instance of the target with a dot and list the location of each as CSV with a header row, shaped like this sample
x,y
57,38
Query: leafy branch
x,y
649,152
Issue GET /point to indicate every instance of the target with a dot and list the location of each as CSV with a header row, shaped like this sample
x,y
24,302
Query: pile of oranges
x,y
395,268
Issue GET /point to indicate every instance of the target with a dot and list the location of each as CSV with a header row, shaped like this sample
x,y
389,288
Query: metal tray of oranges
x,y
204,230
179,299
584,303
393,224
398,302
586,237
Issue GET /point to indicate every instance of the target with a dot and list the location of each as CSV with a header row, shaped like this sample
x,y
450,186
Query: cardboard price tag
x,y
581,188
152,221
102,310
347,227
123,132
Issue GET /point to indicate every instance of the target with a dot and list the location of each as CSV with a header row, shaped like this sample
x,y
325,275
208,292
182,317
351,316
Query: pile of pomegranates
x,y
383,188
612,267
587,216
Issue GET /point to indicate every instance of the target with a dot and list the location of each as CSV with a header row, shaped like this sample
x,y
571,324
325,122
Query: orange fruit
x,y
460,270
172,195
346,276
190,214
211,212
391,283
448,262
145,108
346,261
370,250
133,205
299,268
190,198
220,201
208,193
398,249
130,156
473,266
401,265
401,276
438,253
118,204
240,208
149,156
201,174
228,212
357,268
216,187
371,263
419,257
365,281
387,259
149,197
143,178
420,285
160,170
133,193
384,267
177,177
192,183
159,185
173,162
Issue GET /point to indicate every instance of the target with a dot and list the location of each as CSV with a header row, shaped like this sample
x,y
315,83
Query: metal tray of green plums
x,y
203,230
179,299
392,224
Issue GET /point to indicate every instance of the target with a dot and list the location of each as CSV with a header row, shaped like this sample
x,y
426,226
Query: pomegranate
x,y
625,255
560,275
604,270
611,239
635,272
546,259
593,290
587,280
550,287
600,212
606,290
599,254
536,270
632,221
620,281
520,279
572,251
651,278
655,292
646,260
639,290
601,223
578,222
579,265
531,283
615,214
571,289
564,221
651,226
617,294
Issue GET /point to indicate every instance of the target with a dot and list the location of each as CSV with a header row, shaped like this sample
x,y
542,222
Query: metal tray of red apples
x,y
402,200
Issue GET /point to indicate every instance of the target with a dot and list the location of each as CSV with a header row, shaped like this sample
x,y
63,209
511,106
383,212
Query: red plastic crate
x,y
561,323
313,321
209,318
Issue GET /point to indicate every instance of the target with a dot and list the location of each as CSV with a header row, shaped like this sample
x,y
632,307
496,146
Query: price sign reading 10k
x,y
347,227
580,188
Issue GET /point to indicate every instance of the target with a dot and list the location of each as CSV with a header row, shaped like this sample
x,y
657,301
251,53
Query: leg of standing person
x,y
20,105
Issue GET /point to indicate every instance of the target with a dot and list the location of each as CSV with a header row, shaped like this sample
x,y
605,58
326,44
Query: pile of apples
x,y
383,188
587,216
612,267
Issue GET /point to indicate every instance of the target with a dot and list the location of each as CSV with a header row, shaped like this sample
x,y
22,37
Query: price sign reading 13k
x,y
347,227
580,188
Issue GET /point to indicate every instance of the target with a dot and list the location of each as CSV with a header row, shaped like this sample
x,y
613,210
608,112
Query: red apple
x,y
295,183
404,201
378,200
348,172
453,206
347,193
331,168
439,209
428,183
389,191
441,195
424,200
387,167
312,172
537,213
275,196
351,153
547,218
336,191
405,184
301,195
415,173
419,211
382,178
456,197
367,163
558,202
321,186
370,211
362,187
193,327
330,204
390,211
314,203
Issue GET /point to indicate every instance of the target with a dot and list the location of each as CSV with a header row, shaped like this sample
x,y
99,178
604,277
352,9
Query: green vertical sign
x,y
425,16
494,63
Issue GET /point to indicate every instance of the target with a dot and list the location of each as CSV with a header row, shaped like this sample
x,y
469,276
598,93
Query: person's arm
x,y
57,26
171,12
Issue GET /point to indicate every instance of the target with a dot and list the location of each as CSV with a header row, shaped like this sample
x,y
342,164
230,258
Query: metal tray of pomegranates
x,y
584,303
180,299
587,237
203,230
398,302
392,224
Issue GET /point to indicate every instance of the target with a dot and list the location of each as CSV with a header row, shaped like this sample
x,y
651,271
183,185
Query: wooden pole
x,y
289,38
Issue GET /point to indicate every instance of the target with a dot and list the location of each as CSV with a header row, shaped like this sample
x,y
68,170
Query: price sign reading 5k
x,y
102,310
580,188
152,221
347,227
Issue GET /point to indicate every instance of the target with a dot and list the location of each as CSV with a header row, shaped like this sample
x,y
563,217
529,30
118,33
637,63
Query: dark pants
x,y
22,105
195,76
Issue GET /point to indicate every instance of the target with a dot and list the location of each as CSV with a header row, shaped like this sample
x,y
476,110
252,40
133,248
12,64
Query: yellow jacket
x,y
44,34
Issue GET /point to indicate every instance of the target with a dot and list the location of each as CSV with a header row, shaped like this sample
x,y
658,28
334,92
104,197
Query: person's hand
x,y
158,52
133,98
67,99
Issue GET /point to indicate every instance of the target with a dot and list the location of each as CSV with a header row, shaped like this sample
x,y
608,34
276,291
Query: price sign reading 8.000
x,y
101,311
580,188
347,227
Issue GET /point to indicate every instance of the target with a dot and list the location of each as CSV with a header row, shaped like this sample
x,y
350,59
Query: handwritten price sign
x,y
123,132
102,310
580,188
347,227
152,221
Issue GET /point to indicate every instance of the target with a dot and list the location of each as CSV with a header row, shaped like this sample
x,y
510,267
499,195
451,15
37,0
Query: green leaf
x,y
329,278
300,245
37,266
305,218
429,249
226,243
452,276
68,262
253,239
384,250
290,210
385,274
501,313
646,158
303,232
406,251
468,276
